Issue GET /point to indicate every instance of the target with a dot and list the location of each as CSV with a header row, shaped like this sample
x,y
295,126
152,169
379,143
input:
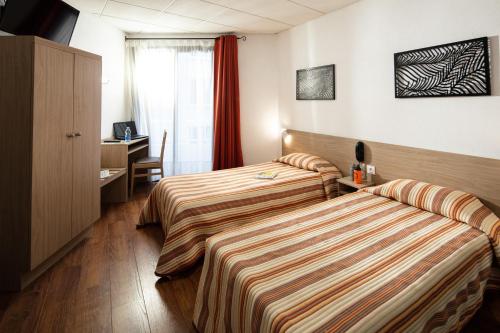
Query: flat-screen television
x,y
50,19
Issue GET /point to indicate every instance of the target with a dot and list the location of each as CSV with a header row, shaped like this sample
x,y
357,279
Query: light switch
x,y
370,169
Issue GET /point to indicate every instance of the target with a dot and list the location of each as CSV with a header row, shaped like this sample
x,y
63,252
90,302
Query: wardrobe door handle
x,y
78,134
70,135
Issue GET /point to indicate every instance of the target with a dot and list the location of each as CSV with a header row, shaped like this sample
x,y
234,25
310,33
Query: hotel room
x,y
250,166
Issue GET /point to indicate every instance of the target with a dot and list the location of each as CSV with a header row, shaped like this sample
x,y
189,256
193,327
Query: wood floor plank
x,y
163,309
25,308
107,283
185,293
127,299
92,304
62,292
161,304
60,299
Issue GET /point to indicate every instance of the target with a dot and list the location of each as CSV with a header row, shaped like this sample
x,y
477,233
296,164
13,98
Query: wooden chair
x,y
148,163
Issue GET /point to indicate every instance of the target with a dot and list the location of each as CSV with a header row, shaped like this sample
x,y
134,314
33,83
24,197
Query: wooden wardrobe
x,y
50,126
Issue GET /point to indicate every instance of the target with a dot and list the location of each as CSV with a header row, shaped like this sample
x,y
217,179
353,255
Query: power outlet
x,y
370,169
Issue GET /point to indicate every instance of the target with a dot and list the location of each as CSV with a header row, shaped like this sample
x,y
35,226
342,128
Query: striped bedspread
x,y
358,263
192,208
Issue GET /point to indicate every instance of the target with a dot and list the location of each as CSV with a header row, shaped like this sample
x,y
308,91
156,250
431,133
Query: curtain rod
x,y
243,38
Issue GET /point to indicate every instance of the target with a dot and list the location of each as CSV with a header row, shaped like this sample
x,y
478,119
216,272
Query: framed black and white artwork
x,y
455,69
316,83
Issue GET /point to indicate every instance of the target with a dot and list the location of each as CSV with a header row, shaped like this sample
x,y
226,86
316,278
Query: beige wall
x,y
361,40
260,126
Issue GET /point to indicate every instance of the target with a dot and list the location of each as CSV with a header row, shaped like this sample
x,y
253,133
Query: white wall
x,y
361,40
258,74
94,35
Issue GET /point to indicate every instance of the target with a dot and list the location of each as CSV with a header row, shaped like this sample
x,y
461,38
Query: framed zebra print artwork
x,y
316,83
455,69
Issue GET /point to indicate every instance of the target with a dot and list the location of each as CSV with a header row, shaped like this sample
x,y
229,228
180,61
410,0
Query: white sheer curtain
x,y
171,87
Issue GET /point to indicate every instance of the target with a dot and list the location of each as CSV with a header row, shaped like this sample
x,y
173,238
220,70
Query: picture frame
x,y
448,70
315,83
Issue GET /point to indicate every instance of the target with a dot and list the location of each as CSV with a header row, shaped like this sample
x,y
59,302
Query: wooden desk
x,y
120,155
114,188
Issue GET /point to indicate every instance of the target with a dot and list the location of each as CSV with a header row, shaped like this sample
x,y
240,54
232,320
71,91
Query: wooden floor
x,y
107,284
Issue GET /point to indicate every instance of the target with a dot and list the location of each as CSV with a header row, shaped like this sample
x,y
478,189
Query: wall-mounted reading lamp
x,y
287,137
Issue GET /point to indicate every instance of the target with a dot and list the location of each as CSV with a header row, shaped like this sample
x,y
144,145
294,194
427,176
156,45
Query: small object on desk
x,y
104,173
266,175
120,128
111,140
128,134
349,186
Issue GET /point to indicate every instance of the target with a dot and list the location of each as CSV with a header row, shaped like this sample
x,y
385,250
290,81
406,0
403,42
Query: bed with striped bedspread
x,y
404,257
194,207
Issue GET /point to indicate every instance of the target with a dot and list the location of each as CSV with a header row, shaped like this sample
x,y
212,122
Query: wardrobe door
x,y
52,166
86,145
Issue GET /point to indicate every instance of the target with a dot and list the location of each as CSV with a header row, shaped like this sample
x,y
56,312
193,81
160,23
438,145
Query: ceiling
x,y
207,16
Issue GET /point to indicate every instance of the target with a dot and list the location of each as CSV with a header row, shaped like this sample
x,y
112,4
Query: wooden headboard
x,y
476,175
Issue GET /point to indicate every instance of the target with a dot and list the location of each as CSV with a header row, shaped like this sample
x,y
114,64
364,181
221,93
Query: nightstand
x,y
347,185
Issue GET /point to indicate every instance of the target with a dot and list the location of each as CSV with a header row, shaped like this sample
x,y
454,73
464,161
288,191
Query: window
x,y
171,87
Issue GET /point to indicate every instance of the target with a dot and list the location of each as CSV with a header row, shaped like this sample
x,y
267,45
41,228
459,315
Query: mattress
x,y
363,262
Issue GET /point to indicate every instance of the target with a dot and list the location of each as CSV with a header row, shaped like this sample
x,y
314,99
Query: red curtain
x,y
227,138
